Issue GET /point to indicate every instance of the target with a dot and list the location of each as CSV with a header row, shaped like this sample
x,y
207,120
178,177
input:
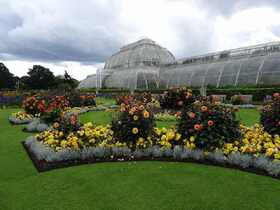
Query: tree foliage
x,y
7,79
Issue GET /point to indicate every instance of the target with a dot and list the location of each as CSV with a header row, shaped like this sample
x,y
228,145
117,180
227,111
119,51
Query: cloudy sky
x,y
78,36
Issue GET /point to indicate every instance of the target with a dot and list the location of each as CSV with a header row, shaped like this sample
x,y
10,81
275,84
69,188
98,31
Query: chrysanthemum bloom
x,y
56,125
204,109
210,123
146,114
197,127
135,130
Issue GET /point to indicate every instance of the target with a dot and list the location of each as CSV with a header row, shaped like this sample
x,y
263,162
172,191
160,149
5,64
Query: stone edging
x,y
45,158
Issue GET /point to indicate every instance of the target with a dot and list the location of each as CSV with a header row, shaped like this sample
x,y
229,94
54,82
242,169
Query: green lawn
x,y
246,116
141,185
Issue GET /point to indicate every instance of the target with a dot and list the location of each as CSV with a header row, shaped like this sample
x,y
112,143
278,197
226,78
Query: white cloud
x,y
51,32
247,27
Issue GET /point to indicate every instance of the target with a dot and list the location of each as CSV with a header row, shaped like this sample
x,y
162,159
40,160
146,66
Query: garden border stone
x,y
17,121
45,158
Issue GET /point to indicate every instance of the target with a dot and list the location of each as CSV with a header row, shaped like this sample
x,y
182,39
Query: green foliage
x,y
7,79
176,98
134,121
270,115
209,124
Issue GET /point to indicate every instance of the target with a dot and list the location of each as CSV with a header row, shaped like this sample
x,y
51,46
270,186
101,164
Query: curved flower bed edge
x,y
45,159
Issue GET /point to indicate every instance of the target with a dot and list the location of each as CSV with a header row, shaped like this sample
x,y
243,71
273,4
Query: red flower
x,y
197,127
210,123
276,95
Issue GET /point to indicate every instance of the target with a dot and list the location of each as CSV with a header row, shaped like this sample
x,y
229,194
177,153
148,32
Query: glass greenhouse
x,y
144,65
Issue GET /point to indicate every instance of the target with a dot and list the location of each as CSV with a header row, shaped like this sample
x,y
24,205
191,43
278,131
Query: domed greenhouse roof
x,y
143,52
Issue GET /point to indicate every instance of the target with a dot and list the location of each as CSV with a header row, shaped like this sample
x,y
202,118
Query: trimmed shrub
x,y
270,115
134,125
209,125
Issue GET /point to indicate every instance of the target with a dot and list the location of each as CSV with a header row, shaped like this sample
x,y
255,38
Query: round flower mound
x,y
208,125
133,125
270,115
176,98
33,105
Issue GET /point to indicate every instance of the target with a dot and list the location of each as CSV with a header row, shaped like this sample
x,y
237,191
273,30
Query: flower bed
x,y
19,118
45,158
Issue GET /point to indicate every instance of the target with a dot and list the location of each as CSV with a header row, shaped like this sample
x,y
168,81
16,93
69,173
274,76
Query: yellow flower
x,y
63,143
170,135
163,137
178,137
135,130
135,117
56,125
146,114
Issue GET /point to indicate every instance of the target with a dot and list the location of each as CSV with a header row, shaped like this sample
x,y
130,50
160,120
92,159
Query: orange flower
x,y
204,109
197,126
178,114
210,123
146,114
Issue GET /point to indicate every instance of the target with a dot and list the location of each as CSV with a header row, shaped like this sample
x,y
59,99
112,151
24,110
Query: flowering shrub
x,y
67,123
34,105
88,100
51,112
255,141
126,99
85,136
176,99
76,99
270,115
237,100
134,125
209,125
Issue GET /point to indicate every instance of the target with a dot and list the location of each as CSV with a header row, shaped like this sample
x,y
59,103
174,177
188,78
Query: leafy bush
x,y
134,125
237,100
208,125
34,105
125,99
176,98
77,99
270,115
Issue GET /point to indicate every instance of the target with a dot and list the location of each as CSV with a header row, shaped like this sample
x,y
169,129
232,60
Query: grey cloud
x,y
58,30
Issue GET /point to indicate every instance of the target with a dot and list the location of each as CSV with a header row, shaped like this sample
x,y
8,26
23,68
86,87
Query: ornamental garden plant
x,y
209,125
176,98
205,132
134,125
270,115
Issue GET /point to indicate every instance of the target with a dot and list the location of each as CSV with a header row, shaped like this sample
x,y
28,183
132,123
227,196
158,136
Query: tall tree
x,y
39,77
7,79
